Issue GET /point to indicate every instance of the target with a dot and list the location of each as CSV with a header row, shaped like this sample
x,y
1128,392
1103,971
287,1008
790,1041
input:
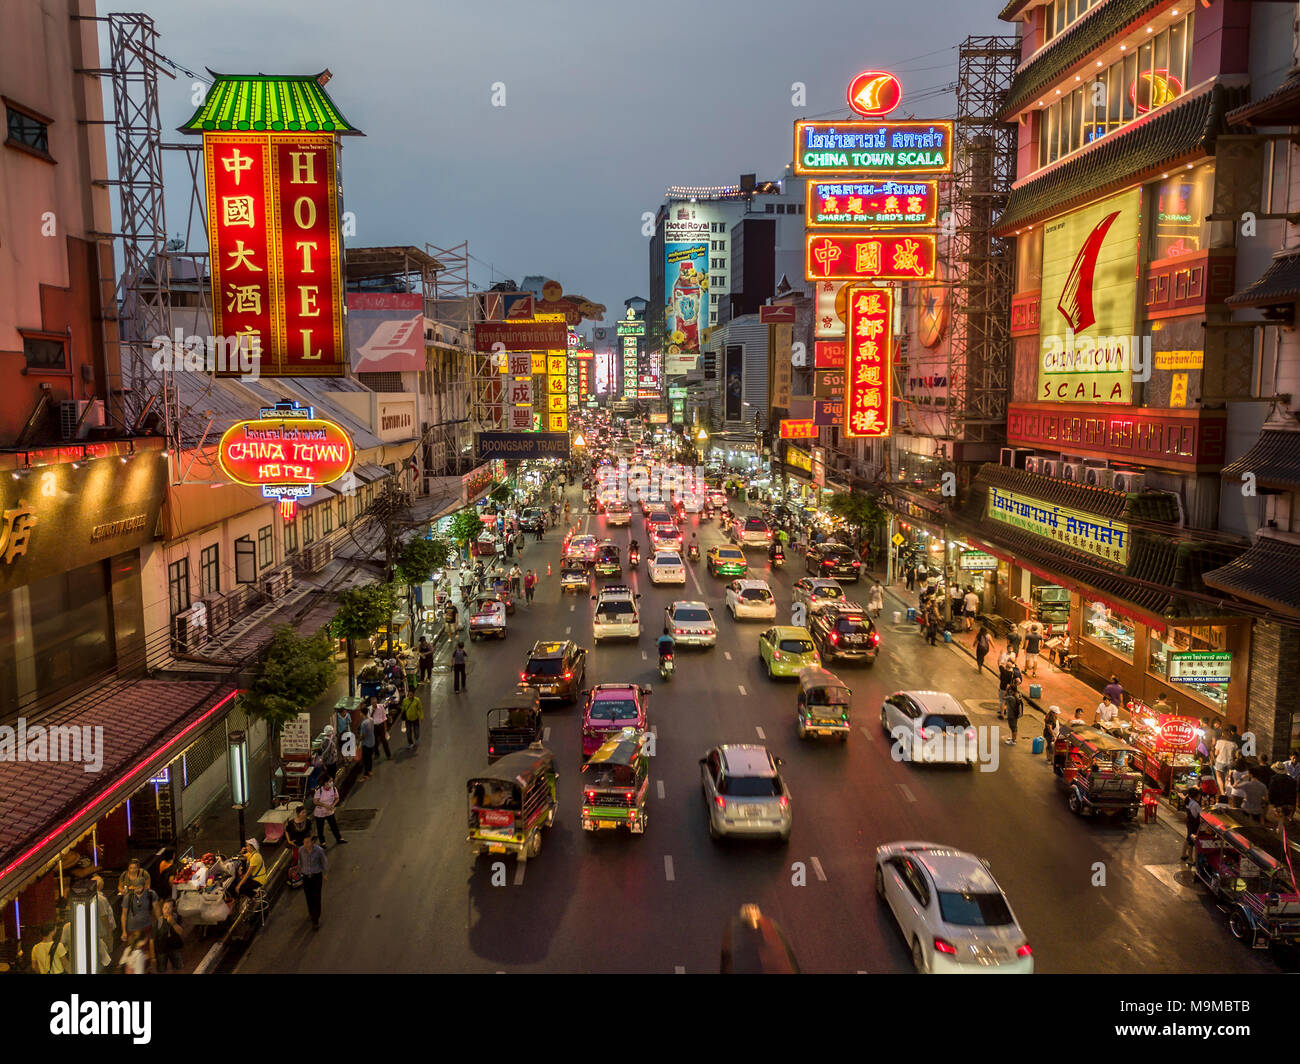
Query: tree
x,y
294,671
860,512
465,528
417,558
500,495
361,611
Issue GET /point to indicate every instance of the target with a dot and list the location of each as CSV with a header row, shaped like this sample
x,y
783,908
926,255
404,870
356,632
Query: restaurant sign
x,y
1099,537
520,336
798,429
797,459
872,147
1200,666
287,452
867,402
836,256
872,203
976,561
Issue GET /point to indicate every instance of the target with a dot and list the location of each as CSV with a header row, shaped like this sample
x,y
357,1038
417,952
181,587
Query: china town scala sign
x,y
287,452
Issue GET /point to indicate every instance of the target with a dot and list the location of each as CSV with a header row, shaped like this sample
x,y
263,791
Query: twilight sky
x,y
607,102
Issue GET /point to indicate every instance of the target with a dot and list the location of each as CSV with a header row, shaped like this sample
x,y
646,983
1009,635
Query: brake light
x,y
942,945
679,631
1024,951
835,638
875,639
492,749
628,795
828,561
720,801
568,676
783,802
591,796
523,675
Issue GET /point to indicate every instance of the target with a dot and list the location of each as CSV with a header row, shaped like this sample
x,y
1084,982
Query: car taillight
x,y
942,945
1024,951
591,796
776,655
627,796
523,675
679,631
875,639
784,802
720,801
568,676
492,749
835,638
828,561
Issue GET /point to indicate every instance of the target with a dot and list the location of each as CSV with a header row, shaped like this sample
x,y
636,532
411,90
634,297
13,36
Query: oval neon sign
x,y
1176,732
285,452
874,93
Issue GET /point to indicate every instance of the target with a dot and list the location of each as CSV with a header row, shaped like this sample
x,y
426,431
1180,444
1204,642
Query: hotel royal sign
x,y
269,151
1099,537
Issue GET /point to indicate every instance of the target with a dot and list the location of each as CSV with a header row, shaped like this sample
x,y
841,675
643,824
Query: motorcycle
x,y
693,552
778,559
634,557
666,667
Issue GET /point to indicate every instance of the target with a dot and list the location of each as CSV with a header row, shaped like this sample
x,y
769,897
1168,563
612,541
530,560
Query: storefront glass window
x,y
1103,625
1181,203
1029,261
1195,658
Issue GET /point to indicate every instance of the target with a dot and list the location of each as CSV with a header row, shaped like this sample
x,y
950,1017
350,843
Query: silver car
x,y
745,793
690,624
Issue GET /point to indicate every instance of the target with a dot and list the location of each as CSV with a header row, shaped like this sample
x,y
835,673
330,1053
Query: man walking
x,y
971,605
367,747
1013,643
516,580
413,711
530,584
1033,644
1014,708
326,798
425,660
458,659
313,864
1008,677
379,714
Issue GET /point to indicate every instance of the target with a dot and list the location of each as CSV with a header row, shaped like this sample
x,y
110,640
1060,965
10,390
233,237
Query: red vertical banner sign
x,y
311,337
244,294
867,399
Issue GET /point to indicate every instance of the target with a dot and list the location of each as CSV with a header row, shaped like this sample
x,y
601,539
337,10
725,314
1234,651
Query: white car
x,y
751,532
751,598
666,536
951,911
616,616
929,727
618,512
690,624
488,619
666,568
717,497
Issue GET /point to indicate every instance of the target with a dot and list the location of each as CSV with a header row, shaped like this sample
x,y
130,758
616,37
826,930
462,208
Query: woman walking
x,y
983,644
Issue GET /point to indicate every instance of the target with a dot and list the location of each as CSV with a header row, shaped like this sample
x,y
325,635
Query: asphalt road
x,y
405,895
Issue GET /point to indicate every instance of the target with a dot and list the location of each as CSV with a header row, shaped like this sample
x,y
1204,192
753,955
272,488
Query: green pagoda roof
x,y
268,103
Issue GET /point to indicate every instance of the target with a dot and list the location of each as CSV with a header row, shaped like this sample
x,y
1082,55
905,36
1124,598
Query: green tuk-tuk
x,y
511,801
824,704
615,780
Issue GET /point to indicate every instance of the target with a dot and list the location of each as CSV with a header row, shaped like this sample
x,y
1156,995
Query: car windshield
x,y
667,559
945,720
731,555
615,609
756,594
795,646
755,524
690,613
850,625
750,786
574,574
965,909
613,709
832,550
609,553
827,591
545,667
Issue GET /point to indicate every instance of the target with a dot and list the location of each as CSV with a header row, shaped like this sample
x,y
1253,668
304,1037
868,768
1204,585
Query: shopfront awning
x,y
1267,573
1273,461
136,727
370,473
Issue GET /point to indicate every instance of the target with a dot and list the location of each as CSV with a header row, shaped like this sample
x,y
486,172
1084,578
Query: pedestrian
x,y
133,874
1051,729
451,617
1008,677
1013,642
379,714
510,547
329,752
107,923
49,959
1014,709
1116,691
519,542
530,583
1078,717
1292,766
314,865
297,829
1237,775
1225,756
910,577
516,580
1193,810
413,712
983,644
458,659
367,746
971,606
135,958
1162,705
168,938
326,799
1033,644
876,598
1253,795
541,531
139,906
425,660
1107,711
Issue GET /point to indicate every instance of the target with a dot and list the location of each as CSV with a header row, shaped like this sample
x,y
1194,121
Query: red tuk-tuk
x,y
1099,772
1249,872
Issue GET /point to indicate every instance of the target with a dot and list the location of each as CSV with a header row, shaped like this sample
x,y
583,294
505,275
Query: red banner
x,y
868,257
867,385
829,354
798,430
520,336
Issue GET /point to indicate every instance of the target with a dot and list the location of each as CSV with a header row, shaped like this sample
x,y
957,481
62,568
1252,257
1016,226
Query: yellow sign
x,y
557,422
1099,537
557,363
898,540
557,402
558,384
1089,300
1178,390
548,317
798,459
1180,360
539,361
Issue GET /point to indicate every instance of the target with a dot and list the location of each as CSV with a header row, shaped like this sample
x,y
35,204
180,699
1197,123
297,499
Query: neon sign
x,y
867,402
872,203
1155,89
874,93
873,147
288,452
868,257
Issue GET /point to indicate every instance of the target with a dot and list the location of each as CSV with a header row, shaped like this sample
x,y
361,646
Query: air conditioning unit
x,y
1049,467
317,556
75,421
277,584
1072,471
188,634
1031,463
1130,482
219,615
1096,476
1013,457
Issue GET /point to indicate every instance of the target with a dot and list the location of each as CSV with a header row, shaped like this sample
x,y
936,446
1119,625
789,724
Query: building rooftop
x,y
287,103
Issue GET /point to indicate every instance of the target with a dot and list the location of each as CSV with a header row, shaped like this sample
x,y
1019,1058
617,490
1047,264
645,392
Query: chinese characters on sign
x,y
872,203
1098,536
868,257
273,231
867,147
867,394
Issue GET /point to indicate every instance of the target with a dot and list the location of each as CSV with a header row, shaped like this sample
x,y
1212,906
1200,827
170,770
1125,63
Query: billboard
x,y
829,321
872,203
518,445
867,400
734,380
386,332
797,429
833,256
273,234
873,147
287,452
1090,264
686,277
520,335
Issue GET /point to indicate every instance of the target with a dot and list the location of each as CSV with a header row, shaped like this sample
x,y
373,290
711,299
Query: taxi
x,y
727,561
786,650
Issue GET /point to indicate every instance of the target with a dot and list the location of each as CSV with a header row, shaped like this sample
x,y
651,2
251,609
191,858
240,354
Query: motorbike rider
x,y
667,644
693,549
633,553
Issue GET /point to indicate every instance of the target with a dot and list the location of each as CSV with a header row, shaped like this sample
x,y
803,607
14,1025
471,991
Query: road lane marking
x,y
644,656
817,869
866,733
906,792
727,654
571,605
568,630
668,867
519,872
546,734
760,732
661,788
741,687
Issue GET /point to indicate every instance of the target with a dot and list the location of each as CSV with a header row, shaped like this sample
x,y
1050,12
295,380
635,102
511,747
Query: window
x,y
768,208
291,538
1195,658
1061,14
717,282
45,352
343,512
265,547
210,571
308,526
178,586
1103,625
28,130
714,298
1181,204
718,264
326,520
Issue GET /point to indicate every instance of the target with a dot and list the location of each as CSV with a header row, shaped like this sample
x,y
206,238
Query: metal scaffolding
x,y
458,306
983,170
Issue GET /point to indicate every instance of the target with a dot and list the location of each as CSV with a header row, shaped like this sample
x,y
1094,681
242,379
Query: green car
x,y
727,561
786,650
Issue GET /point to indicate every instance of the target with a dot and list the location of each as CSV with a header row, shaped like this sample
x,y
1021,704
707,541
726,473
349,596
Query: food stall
x,y
1166,744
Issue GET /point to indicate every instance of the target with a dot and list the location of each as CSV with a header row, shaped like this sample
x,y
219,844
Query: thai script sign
x,y
1099,537
872,147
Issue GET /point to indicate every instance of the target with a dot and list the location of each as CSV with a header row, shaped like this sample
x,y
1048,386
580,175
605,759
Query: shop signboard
x,y
273,232
867,204
686,277
792,429
874,93
829,354
819,466
1166,439
295,735
780,314
679,411
386,331
1200,666
976,561
628,327
873,147
782,366
677,365
1089,298
523,445
829,309
1175,734
830,255
734,379
828,384
602,372
677,391
867,389
798,459
659,419
520,336
557,422
288,452
1099,537
828,412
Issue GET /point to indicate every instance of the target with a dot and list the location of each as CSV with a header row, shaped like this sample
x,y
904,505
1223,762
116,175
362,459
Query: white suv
x,y
616,616
751,598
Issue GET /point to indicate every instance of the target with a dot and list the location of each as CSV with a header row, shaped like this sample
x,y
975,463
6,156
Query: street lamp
x,y
84,898
239,775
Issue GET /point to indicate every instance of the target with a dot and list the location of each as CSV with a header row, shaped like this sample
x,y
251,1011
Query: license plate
x,y
752,811
549,689
496,847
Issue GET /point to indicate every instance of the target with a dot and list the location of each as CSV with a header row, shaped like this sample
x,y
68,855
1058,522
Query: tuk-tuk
x,y
615,780
511,801
608,561
823,705
514,723
1099,771
1248,871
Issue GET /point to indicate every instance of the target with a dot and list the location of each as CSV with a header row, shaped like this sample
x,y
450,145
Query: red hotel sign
x,y
521,336
867,405
1166,439
291,452
834,256
273,232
